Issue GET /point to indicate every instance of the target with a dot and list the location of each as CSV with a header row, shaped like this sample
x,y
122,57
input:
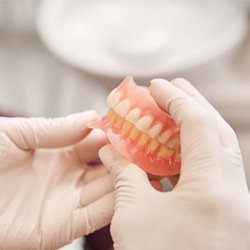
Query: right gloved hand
x,y
209,208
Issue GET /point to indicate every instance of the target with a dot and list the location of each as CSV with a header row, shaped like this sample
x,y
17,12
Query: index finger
x,y
228,138
198,127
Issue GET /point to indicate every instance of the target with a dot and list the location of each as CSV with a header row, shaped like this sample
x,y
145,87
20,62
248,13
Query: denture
x,y
140,130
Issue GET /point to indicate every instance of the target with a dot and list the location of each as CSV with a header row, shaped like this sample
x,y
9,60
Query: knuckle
x,y
119,170
201,119
219,200
177,102
184,110
229,130
177,105
89,223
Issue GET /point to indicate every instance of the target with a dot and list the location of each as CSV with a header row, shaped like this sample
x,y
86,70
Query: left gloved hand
x,y
48,194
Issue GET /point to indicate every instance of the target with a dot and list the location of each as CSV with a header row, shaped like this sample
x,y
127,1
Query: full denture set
x,y
141,130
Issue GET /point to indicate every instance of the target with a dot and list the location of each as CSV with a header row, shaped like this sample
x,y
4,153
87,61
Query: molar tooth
x,y
153,145
155,130
123,107
113,98
164,152
177,156
163,138
144,123
174,144
134,133
143,139
134,115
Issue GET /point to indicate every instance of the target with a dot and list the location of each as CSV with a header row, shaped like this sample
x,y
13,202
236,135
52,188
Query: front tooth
x,y
113,98
155,130
134,115
153,145
123,107
174,144
163,138
144,123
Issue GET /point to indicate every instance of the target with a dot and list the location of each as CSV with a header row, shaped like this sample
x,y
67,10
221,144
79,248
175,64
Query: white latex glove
x,y
48,194
209,208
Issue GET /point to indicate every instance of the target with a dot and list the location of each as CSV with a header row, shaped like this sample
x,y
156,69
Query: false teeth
x,y
164,137
140,130
113,98
123,107
134,115
144,123
155,130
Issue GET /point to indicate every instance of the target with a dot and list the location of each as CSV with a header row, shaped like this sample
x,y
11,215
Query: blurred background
x,y
63,56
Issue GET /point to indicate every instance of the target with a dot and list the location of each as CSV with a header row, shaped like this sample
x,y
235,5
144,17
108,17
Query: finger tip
x,y
91,114
157,86
180,80
157,90
158,81
83,116
98,134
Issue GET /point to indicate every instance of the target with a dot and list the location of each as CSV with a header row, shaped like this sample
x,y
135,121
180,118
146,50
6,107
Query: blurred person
x,y
51,195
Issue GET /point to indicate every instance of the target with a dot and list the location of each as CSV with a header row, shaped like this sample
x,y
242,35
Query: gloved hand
x,y
48,194
209,208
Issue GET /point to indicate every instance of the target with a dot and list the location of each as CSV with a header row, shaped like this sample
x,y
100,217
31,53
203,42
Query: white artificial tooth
x,y
174,144
153,145
134,133
164,137
123,107
155,130
113,98
144,123
134,115
165,152
143,139
177,156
